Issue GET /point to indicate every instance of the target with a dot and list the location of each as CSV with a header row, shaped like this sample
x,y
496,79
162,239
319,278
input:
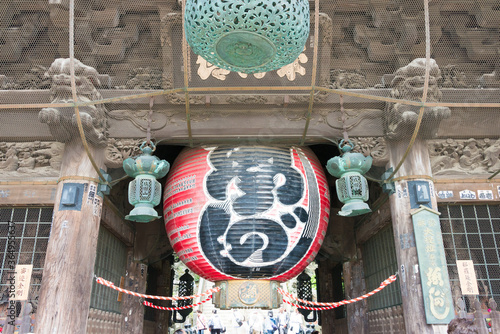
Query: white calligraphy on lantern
x,y
467,277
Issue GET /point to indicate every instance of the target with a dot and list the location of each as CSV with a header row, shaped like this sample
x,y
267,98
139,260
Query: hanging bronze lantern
x,y
144,192
247,36
352,186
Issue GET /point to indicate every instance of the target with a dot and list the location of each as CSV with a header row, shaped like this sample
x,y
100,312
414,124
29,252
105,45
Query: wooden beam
x,y
114,221
43,193
28,193
378,220
169,117
450,192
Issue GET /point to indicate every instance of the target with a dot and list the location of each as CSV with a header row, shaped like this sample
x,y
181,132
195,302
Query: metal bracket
x,y
388,187
104,186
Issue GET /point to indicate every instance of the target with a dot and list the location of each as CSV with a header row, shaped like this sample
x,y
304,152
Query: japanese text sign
x,y
433,270
22,281
467,277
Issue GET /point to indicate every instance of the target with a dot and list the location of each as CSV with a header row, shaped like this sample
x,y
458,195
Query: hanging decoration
x,y
144,192
247,212
149,304
248,36
328,306
352,186
112,285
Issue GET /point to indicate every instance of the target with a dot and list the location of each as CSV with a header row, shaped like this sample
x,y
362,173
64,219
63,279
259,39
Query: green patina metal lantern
x,y
352,187
144,192
248,36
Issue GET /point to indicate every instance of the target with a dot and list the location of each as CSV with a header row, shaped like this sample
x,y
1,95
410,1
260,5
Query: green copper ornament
x,y
352,187
144,192
248,36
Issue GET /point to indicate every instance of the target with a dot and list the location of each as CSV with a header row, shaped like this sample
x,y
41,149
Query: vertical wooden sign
x,y
22,281
433,270
467,277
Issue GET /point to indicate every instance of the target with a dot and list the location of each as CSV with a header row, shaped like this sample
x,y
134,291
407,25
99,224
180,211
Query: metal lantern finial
x,y
248,36
352,187
144,192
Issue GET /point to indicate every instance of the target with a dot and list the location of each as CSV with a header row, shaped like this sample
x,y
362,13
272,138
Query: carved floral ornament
x,y
206,69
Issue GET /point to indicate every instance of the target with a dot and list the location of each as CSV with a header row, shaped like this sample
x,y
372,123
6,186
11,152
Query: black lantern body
x,y
304,291
186,285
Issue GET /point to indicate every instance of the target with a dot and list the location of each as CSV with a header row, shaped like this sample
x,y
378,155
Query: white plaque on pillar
x,y
467,277
22,281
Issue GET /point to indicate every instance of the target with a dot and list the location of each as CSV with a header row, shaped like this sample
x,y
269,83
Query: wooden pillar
x,y
354,282
417,163
164,288
326,294
71,250
132,308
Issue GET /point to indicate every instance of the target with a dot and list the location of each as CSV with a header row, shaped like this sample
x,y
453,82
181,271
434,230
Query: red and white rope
x,y
329,306
175,308
111,285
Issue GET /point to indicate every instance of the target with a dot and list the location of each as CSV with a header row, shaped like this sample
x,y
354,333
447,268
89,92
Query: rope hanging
x,y
329,306
146,303
111,285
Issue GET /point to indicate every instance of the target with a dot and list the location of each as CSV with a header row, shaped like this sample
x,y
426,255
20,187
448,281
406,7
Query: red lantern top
x,y
249,212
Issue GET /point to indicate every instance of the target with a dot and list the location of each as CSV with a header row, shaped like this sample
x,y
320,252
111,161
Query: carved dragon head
x,y
86,80
409,80
408,84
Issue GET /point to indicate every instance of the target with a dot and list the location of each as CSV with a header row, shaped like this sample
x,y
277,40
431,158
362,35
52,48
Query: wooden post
x,y
132,309
71,250
326,293
417,163
26,317
164,289
354,282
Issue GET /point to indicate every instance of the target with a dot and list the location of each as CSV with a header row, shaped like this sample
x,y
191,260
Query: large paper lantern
x,y
247,35
248,212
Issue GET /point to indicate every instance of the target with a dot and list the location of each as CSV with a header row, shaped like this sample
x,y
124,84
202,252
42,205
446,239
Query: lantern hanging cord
x,y
342,111
150,114
329,306
111,285
146,303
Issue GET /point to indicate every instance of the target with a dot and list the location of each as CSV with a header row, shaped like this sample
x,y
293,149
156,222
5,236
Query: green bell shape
x,y
352,186
144,192
248,36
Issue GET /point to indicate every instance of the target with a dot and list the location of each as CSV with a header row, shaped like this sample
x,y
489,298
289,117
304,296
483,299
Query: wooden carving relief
x,y
464,156
17,160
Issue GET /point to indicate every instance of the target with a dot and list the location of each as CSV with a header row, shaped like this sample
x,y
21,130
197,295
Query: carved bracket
x,y
62,122
401,119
